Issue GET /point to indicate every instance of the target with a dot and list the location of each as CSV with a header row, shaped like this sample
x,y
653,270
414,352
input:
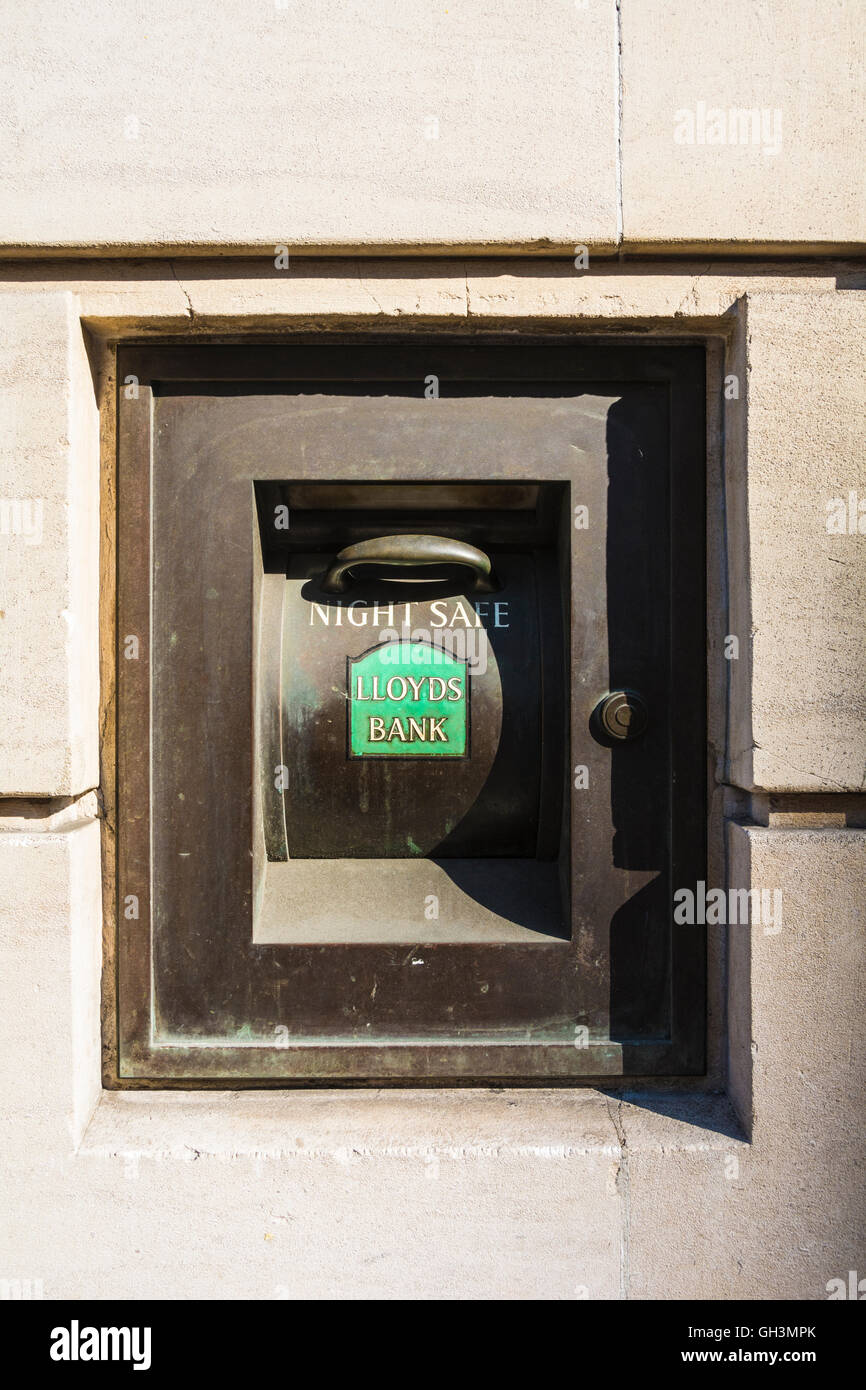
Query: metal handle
x,y
408,551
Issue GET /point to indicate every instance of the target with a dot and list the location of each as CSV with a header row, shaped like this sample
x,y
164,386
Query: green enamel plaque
x,y
408,700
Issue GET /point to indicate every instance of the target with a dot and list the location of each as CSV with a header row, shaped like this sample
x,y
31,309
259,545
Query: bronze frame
x,y
139,1062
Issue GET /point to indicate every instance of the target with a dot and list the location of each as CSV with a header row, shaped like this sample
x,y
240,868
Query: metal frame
x,y
680,371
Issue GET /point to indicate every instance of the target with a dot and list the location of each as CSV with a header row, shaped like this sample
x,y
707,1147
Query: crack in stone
x,y
366,288
808,772
190,310
623,1184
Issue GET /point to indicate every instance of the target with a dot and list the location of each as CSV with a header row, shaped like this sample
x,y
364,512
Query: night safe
x,y
411,754
412,707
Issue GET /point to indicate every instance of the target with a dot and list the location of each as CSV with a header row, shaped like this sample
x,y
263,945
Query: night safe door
x,y
412,720
411,754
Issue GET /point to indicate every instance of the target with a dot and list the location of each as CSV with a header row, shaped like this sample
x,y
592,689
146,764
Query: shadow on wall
x,y
638,582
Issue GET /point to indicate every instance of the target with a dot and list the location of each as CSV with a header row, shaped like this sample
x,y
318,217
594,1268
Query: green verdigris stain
x,y
408,700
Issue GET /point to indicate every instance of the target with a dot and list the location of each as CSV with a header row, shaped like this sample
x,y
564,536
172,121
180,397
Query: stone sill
x,y
347,1125
538,248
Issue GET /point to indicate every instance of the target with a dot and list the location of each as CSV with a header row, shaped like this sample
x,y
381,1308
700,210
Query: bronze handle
x,y
409,551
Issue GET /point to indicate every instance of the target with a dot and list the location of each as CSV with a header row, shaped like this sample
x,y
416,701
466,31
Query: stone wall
x,y
437,169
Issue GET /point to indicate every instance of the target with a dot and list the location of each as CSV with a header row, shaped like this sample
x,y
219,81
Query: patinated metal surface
x,y
484,804
431,556
618,431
